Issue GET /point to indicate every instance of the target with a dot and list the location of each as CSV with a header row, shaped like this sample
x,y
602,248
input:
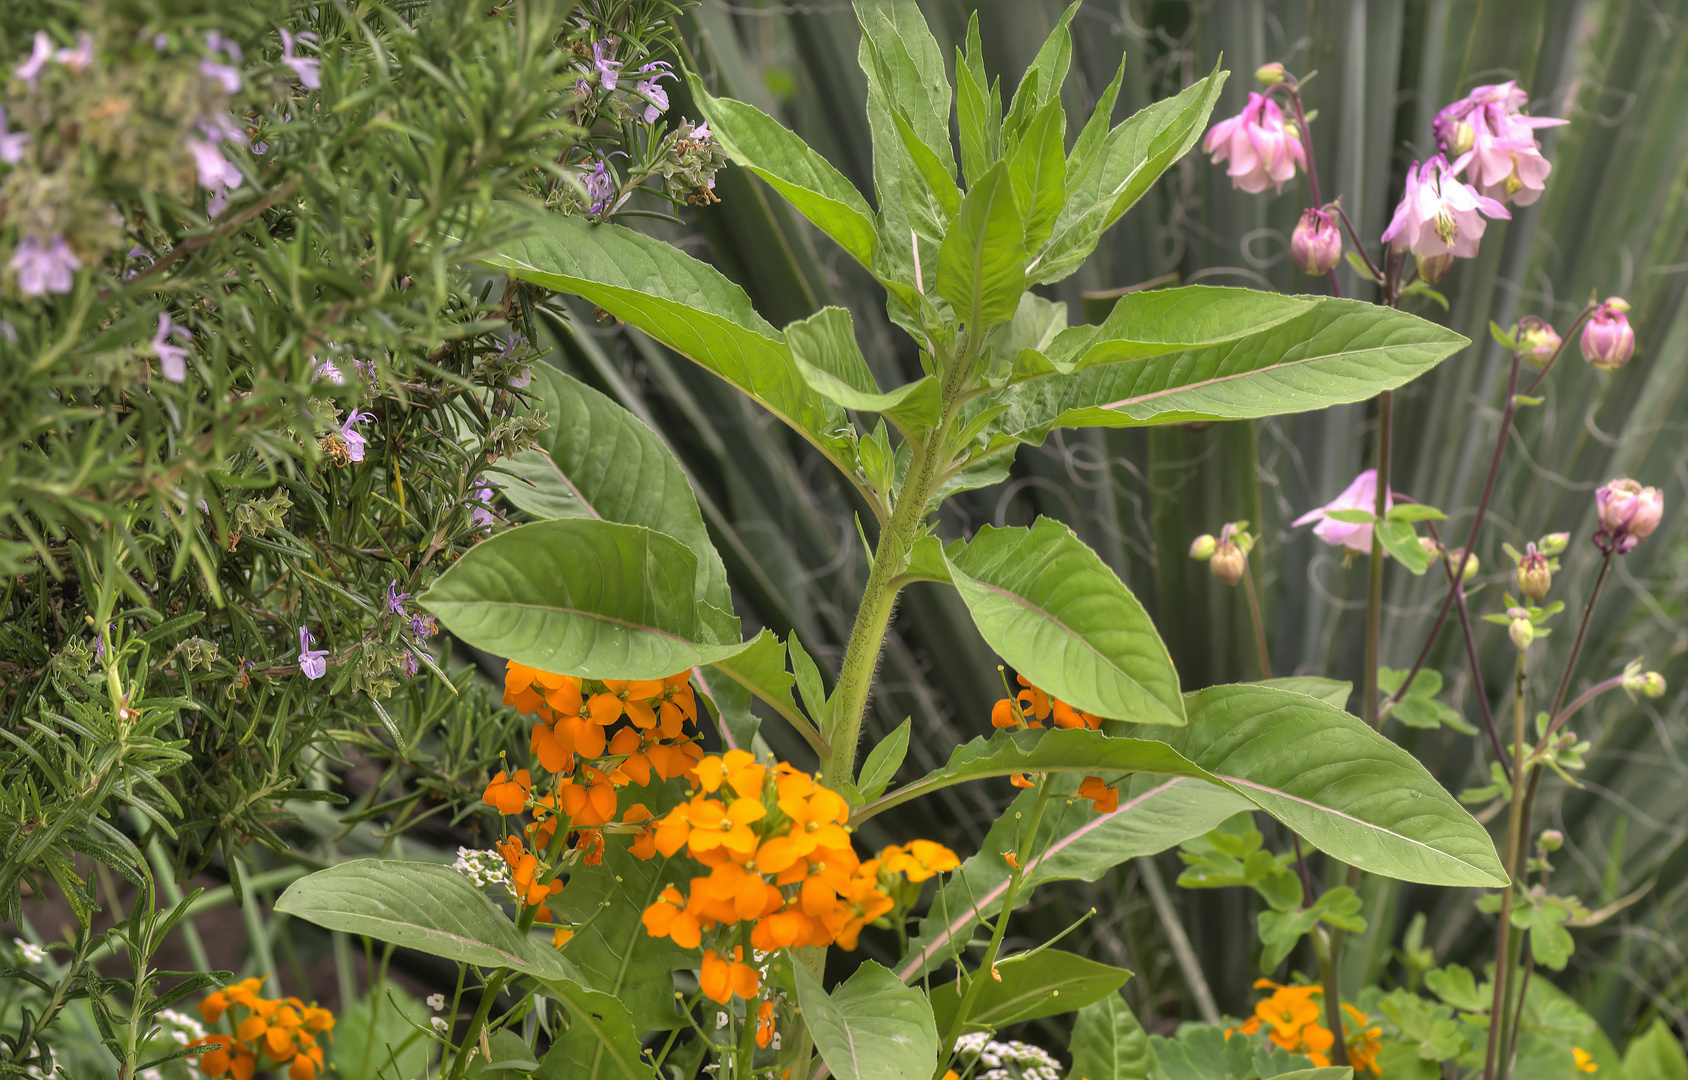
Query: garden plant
x,y
349,572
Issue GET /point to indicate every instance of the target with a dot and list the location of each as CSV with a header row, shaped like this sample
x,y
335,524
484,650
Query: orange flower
x,y
590,799
1103,798
1582,1059
920,860
555,754
590,844
1019,780
518,687
765,1024
1005,714
1033,700
714,825
722,979
1065,716
669,918
508,794
1364,1043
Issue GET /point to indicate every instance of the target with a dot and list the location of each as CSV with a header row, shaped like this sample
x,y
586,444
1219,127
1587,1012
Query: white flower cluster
x,y
1007,1061
29,954
484,868
180,1026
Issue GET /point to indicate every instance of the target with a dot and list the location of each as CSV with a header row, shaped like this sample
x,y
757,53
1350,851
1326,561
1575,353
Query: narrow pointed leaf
x,y
915,77
871,1027
981,266
808,181
1162,321
1348,790
1038,172
584,597
979,118
1054,610
940,182
1042,80
883,761
1030,986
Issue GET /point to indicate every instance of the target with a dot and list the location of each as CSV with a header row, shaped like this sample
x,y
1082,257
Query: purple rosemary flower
x,y
482,518
395,599
215,171
411,667
223,73
172,359
355,442
366,370
656,95
30,70
312,662
325,369
424,626
304,67
218,43
78,58
44,267
600,187
11,144
608,70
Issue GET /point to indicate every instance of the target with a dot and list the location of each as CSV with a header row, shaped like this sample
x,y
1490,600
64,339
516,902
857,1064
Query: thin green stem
x,y
1259,622
471,1035
1374,592
1330,978
1582,632
1506,947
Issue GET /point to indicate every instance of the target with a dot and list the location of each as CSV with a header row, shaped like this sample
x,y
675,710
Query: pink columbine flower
x,y
1494,144
1608,341
44,267
1359,495
313,663
304,67
355,441
1628,513
11,143
1315,245
1255,141
1440,215
172,359
30,70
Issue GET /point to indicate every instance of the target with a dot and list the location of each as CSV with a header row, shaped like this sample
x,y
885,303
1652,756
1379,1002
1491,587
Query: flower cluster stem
x,y
1259,622
1374,591
1506,943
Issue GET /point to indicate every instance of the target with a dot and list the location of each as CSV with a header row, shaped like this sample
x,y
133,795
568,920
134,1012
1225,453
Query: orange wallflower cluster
x,y
1029,709
1290,1017
780,862
283,1030
592,737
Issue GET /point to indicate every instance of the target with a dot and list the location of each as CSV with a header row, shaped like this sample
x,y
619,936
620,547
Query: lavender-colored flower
x,y
80,57
522,379
312,662
482,518
582,88
701,133
600,187
172,359
411,667
1494,144
1359,495
218,43
608,70
11,143
1440,215
1260,149
656,95
30,70
215,171
326,370
216,204
1608,341
223,73
424,626
44,267
366,370
395,599
161,41
355,441
304,67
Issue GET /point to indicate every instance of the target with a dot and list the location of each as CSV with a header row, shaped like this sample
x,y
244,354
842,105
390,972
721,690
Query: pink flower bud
x,y
1316,245
1269,74
1203,547
1537,342
1628,512
1534,576
1227,563
1608,341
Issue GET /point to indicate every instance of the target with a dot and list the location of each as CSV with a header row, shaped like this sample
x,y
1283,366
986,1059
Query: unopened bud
x,y
1269,74
1433,268
1653,685
1638,683
1551,840
1534,576
1431,547
1537,342
1522,630
1315,245
1553,543
1454,557
1203,547
1461,137
1608,341
1227,563
1629,510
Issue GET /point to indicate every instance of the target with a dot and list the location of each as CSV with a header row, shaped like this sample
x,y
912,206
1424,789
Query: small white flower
x,y
30,954
720,1021
439,1025
436,1002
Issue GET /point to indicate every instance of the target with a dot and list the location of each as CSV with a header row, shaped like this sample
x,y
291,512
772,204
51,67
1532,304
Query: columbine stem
x,y
1582,632
1374,592
1259,623
1505,945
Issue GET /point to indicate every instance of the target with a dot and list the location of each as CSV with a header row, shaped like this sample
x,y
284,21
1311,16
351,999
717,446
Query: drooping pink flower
x,y
44,267
1439,214
1494,144
1608,341
1628,513
1315,245
1359,495
1260,150
172,359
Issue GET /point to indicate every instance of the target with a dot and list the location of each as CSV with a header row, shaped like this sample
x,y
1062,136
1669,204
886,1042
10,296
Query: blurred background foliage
x,y
1612,222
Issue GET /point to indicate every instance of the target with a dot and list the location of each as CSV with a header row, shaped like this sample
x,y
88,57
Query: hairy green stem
x,y
1506,947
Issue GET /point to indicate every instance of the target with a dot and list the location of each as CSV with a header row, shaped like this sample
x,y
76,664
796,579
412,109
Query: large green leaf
x,y
982,264
584,597
683,303
871,1027
380,1032
818,191
1108,1043
1030,986
611,948
1173,320
1334,352
913,69
423,906
1655,1055
826,353
597,460
1102,185
601,1043
1073,844
1348,790
1054,610
1038,173
1330,691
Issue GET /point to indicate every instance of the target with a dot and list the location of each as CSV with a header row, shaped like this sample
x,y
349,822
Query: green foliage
x,y
871,1026
1048,982
1108,1043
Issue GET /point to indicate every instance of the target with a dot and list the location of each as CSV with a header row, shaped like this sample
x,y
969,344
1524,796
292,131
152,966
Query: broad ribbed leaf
x,y
601,1042
584,597
1030,986
1050,607
1335,352
871,1027
1348,790
1174,320
825,351
1073,844
1106,183
1108,1043
597,460
423,906
611,949
1054,750
683,303
820,193
1038,173
1330,691
915,79
981,266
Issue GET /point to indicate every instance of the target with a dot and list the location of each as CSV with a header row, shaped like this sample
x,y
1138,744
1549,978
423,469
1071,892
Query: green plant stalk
x,y
489,994
1374,591
1327,950
1259,622
1022,857
1506,945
